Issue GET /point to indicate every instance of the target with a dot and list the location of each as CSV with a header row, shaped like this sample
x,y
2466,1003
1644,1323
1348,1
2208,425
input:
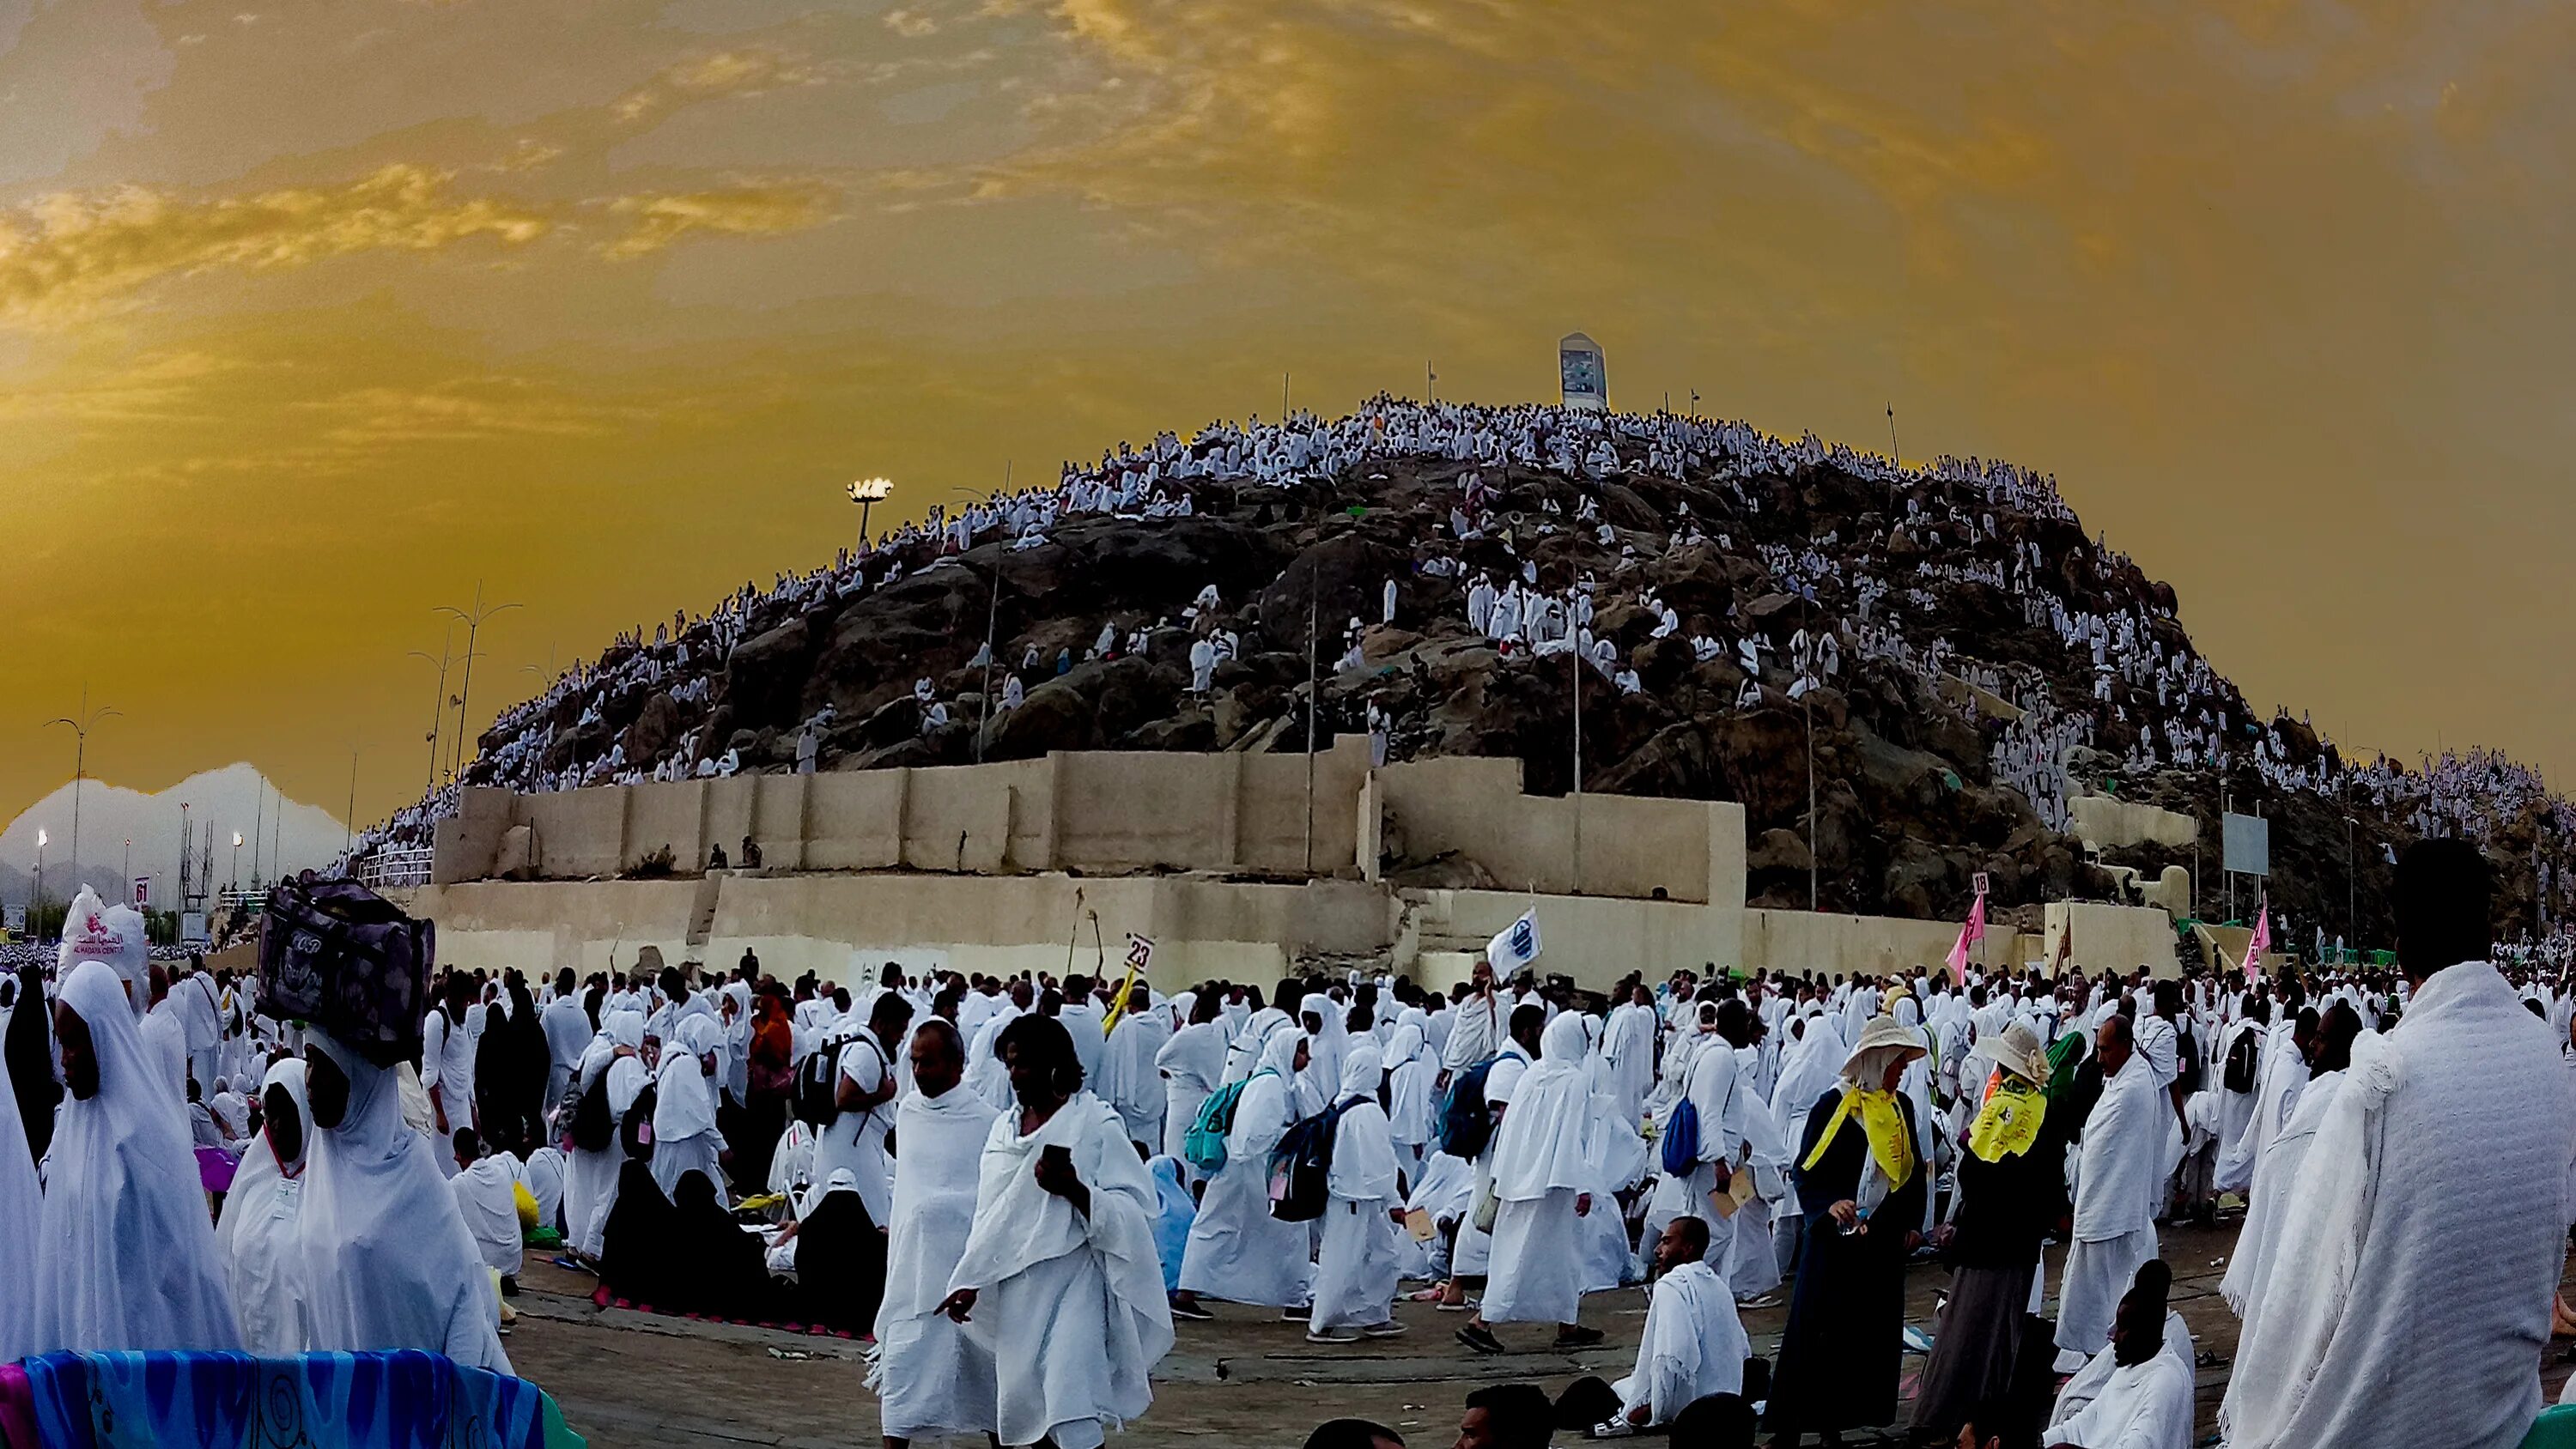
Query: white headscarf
x,y
259,1235
22,1201
1363,1166
684,1105
387,1259
125,1255
1545,1140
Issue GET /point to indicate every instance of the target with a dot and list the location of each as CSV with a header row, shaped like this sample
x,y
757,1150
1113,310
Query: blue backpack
x,y
1681,1139
1203,1145
1466,1118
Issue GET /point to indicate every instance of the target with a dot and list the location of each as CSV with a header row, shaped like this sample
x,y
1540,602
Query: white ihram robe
x,y
1191,1063
1694,1345
1237,1251
2141,1406
931,1375
1073,1302
1356,1263
2121,1171
2409,1289
1543,1160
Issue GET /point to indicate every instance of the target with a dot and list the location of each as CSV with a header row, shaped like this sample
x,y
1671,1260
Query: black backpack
x,y
1466,1118
817,1094
2244,1060
592,1128
1301,1167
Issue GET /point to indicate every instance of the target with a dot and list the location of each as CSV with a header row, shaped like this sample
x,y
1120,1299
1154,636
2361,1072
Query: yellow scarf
x,y
2009,1122
1884,1123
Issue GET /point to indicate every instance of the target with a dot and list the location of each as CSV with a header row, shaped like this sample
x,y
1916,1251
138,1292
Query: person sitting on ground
x,y
487,1196
635,1258
2139,1390
717,1269
1694,1345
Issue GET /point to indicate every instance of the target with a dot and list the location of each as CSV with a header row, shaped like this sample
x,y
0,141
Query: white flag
x,y
1515,948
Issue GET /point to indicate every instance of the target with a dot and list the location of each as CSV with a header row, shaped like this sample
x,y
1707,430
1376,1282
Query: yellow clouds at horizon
x,y
66,254
658,221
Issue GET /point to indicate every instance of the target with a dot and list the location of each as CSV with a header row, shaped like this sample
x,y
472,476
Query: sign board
x,y
1981,882
192,931
2248,843
1583,376
142,891
14,919
1140,955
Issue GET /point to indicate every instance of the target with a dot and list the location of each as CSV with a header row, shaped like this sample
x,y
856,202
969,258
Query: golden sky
x,y
313,315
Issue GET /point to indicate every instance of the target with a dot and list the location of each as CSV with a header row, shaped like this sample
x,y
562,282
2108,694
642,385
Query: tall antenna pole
x,y
992,622
438,705
1894,455
1314,702
1576,885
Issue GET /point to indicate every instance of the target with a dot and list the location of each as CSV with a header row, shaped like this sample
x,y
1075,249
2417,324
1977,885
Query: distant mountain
x,y
110,815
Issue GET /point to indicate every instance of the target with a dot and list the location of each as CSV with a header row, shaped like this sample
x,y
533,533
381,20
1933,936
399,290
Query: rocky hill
x,y
1987,661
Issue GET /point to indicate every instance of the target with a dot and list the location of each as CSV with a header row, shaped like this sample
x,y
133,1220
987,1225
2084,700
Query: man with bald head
x,y
932,1378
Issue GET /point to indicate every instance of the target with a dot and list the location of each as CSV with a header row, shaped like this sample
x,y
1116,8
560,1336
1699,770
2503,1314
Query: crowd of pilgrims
x,y
1946,523
977,1171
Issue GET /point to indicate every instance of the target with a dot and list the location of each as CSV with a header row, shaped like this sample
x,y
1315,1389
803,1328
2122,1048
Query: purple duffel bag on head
x,y
336,955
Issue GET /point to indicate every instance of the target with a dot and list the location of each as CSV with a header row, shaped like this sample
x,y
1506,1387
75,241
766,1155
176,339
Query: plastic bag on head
x,y
96,931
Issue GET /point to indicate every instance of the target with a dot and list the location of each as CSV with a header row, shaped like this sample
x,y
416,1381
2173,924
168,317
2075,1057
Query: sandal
x,y
1579,1338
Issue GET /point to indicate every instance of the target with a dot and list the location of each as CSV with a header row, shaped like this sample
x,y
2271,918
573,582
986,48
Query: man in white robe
x,y
125,1254
1694,1344
2119,1176
2137,1392
1059,1277
568,1031
1191,1064
865,1086
1479,1026
2284,1073
2428,1229
22,1200
261,1229
930,1375
1356,1264
447,1065
1717,1093
1130,1082
386,1259
1543,1168
1628,1041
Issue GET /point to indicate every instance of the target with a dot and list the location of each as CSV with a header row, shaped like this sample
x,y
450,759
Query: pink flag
x,y
2259,943
1969,934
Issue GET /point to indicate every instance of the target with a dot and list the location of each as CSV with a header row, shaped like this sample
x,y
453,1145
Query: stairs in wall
x,y
702,915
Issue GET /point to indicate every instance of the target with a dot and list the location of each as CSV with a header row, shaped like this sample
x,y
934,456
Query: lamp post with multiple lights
x,y
868,493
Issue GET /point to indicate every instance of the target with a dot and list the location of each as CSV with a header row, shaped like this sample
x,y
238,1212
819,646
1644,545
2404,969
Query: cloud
x,y
66,255
659,220
910,24
723,73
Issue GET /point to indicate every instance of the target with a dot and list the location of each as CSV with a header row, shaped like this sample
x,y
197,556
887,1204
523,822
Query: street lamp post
x,y
473,618
81,725
868,493
236,862
36,900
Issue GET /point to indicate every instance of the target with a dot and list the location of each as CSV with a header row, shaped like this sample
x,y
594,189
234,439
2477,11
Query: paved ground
x,y
634,1381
